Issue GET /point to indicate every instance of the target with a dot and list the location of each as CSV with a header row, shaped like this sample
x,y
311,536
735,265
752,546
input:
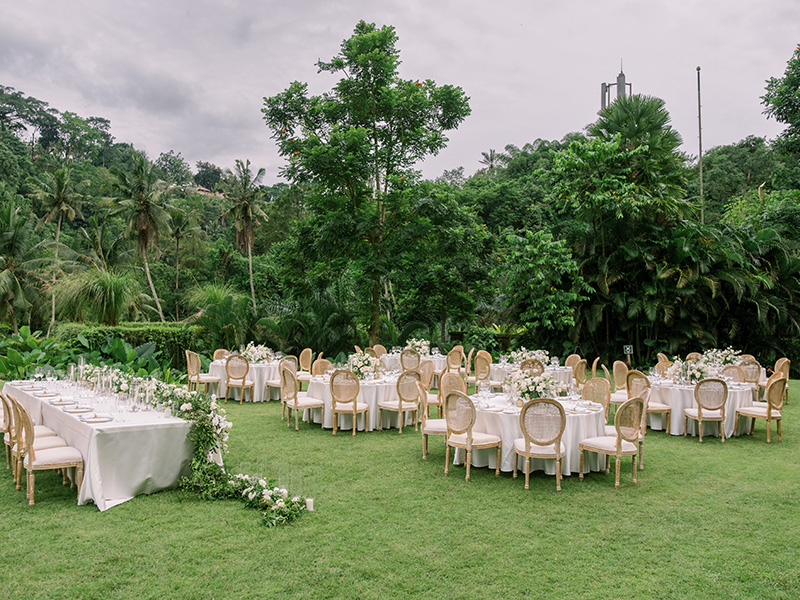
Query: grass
x,y
705,521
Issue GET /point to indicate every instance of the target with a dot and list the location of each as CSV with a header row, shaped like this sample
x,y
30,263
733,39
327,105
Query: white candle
x,y
310,504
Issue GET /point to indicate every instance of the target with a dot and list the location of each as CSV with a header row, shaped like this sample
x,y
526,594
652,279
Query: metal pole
x,y
700,160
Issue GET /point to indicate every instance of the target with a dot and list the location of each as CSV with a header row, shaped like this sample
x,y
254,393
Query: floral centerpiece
x,y
521,384
421,346
256,354
722,357
517,356
692,371
363,365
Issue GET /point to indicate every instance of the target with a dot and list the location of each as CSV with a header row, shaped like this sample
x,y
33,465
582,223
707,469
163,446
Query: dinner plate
x,y
78,410
495,409
96,418
511,411
45,394
31,388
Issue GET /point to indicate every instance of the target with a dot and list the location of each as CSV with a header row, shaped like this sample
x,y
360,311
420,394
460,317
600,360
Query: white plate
x,y
96,418
78,410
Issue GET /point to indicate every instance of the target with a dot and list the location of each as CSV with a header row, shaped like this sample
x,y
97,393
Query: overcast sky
x,y
191,75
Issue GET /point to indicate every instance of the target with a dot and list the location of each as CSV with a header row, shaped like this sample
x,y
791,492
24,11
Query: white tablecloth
x,y
506,426
679,397
561,375
259,374
370,392
146,453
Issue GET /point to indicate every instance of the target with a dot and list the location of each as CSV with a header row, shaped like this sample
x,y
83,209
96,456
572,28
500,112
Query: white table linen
x,y
561,375
145,453
259,374
505,425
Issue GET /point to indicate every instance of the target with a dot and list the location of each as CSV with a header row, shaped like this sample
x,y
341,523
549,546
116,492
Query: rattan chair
x,y
769,410
653,407
428,426
320,366
34,459
594,367
620,376
483,368
752,370
196,376
449,382
425,371
710,395
782,365
572,360
379,349
344,399
662,357
542,422
9,428
662,367
370,352
407,399
304,364
236,369
291,361
533,366
694,356
454,359
468,363
579,373
459,414
744,357
48,440
635,383
409,359
220,353
597,390
606,374
734,373
628,425
293,401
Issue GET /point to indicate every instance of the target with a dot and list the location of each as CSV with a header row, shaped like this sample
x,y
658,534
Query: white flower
x,y
186,406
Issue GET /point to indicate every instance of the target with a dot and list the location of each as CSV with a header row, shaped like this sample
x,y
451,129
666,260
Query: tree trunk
x,y
375,319
53,282
250,264
444,323
177,257
152,287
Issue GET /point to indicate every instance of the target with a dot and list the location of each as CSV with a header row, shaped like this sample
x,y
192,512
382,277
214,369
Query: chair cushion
x,y
347,407
45,443
619,397
206,378
655,407
435,427
304,402
273,383
388,405
758,411
607,444
708,415
303,376
40,431
479,439
55,457
538,451
433,399
239,384
610,430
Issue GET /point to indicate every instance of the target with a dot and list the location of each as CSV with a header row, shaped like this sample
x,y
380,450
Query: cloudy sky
x,y
191,75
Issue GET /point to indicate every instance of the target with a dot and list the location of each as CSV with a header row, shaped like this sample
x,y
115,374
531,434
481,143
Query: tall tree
x,y
181,225
246,196
60,198
141,197
358,145
782,101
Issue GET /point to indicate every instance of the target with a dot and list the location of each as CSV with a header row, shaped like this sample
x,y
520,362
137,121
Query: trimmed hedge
x,y
171,339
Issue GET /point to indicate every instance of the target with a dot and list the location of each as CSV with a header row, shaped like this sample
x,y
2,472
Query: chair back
x,y
597,390
542,422
236,368
380,350
620,375
220,353
782,366
594,366
305,360
752,370
409,359
454,359
450,382
662,357
320,366
344,388
8,417
579,371
628,420
606,374
468,362
635,383
371,352
774,393
711,394
572,360
192,365
744,357
645,396
288,386
459,414
694,356
291,360
483,366
662,367
425,370
533,366
734,373
23,429
407,388
357,347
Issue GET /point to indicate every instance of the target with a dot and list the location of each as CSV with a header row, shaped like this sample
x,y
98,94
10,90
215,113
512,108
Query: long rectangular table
x,y
144,453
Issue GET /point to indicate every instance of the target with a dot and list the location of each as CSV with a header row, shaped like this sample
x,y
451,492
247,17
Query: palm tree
x,y
142,198
60,199
492,161
182,226
100,295
246,197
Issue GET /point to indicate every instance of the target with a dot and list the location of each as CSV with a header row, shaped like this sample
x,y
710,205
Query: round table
x,y
493,416
259,374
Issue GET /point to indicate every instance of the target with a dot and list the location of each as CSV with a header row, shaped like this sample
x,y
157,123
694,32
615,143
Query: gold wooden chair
x,y
734,373
662,357
468,364
425,371
620,375
304,363
409,359
220,353
293,401
594,367
379,349
320,366
782,365
459,414
454,359
598,390
33,459
236,369
9,429
662,367
370,352
752,371
407,399
48,440
710,395
428,426
769,410
579,373
449,382
196,376
744,357
643,432
344,399
653,407
694,356
290,361
483,368
542,422
533,366
572,360
635,383
627,425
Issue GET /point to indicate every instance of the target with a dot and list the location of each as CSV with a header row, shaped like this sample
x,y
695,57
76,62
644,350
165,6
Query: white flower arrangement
x,y
421,346
523,385
692,371
517,356
257,353
363,365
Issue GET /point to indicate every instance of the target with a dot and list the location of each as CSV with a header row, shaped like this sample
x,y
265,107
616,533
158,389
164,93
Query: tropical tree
x,y
141,198
100,295
782,102
246,196
60,199
358,145
182,226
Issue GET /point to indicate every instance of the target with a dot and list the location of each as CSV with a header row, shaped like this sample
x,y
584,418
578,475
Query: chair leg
x,y
380,421
736,425
581,466
446,458
669,418
297,419
497,464
634,468
780,435
400,415
616,481
335,421
527,471
424,446
30,488
469,462
700,430
558,474
641,454
722,431
79,477
685,425
768,428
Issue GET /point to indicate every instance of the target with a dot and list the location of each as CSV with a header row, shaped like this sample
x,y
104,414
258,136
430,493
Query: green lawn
x,y
705,521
